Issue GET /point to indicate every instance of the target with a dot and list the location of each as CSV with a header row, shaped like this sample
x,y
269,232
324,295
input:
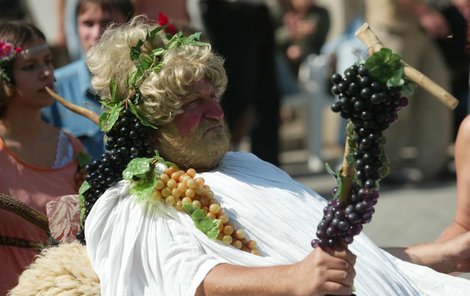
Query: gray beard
x,y
203,152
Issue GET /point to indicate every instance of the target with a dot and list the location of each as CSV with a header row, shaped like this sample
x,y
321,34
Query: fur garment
x,y
60,270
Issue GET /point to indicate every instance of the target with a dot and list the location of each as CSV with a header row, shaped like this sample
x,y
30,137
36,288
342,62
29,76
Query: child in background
x,y
73,80
37,161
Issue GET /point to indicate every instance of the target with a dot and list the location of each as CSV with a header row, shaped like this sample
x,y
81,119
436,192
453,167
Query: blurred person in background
x,y
243,33
73,80
303,31
455,53
461,221
66,34
460,225
14,10
175,10
37,161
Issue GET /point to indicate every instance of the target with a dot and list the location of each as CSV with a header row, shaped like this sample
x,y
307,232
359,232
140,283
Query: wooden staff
x,y
372,43
74,108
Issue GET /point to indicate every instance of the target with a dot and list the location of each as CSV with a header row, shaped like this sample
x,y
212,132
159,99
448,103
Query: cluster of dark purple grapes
x,y
126,140
371,107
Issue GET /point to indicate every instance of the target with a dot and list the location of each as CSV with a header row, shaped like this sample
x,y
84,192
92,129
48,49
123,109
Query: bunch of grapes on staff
x,y
369,95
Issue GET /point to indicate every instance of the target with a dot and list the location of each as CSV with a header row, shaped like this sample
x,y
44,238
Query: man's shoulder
x,y
242,158
240,155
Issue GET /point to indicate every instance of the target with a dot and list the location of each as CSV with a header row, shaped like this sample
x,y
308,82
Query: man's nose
x,y
214,110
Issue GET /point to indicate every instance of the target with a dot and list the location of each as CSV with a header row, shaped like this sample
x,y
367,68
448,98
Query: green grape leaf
x,y
210,227
143,188
174,41
83,159
342,189
158,51
132,79
152,33
193,37
385,169
135,50
108,118
81,200
407,88
143,120
84,187
330,171
146,60
112,89
386,67
137,167
336,176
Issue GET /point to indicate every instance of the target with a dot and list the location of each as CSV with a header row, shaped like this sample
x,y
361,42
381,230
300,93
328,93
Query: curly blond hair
x,y
163,92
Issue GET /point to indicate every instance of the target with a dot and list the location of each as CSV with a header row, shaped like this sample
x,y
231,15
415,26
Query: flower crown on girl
x,y
7,52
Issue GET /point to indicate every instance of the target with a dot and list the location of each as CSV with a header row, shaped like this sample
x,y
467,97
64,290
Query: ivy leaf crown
x,y
7,52
145,62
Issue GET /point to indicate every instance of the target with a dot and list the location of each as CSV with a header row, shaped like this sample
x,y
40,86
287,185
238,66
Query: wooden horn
x,y
74,108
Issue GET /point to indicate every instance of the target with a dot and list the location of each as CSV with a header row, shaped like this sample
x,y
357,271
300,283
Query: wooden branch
x,y
347,173
74,108
373,44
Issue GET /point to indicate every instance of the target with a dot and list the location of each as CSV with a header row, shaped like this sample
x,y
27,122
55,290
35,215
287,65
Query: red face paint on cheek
x,y
187,122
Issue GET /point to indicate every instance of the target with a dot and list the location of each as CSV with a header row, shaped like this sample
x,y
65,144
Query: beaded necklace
x,y
163,181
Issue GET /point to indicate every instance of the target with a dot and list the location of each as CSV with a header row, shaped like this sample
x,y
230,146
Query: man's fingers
x,y
337,289
346,255
343,277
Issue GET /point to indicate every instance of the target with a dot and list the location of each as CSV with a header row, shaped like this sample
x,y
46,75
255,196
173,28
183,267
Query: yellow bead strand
x,y
177,188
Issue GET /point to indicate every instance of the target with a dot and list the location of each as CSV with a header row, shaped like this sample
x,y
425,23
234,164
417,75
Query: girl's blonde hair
x,y
164,91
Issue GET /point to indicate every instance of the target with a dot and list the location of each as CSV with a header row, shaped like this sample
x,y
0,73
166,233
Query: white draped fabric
x,y
144,248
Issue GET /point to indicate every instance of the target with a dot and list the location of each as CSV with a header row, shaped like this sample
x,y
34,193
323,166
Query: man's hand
x,y
320,273
323,273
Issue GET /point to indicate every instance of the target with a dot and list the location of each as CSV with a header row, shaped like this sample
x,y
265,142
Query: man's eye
x,y
192,102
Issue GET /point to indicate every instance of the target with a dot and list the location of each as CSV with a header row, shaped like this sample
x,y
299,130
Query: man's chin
x,y
203,152
211,153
